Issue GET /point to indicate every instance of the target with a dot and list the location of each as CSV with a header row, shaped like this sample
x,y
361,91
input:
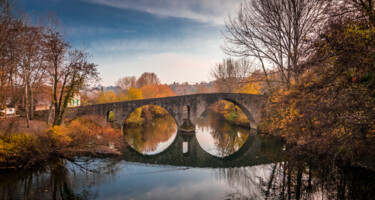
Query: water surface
x,y
233,163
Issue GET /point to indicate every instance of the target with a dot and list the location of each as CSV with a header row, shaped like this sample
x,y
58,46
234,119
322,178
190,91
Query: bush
x,y
86,133
21,150
59,136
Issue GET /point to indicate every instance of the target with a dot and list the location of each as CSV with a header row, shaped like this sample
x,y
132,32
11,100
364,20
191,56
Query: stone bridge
x,y
185,109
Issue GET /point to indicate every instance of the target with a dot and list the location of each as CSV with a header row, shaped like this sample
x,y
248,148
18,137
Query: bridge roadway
x,y
194,105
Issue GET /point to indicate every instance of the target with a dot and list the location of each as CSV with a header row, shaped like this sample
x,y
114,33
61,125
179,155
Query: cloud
x,y
211,11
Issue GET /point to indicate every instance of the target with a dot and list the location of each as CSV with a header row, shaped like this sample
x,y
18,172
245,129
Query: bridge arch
x,y
110,116
245,109
169,111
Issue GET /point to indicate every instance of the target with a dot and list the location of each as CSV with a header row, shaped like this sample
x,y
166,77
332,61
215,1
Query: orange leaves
x,y
156,91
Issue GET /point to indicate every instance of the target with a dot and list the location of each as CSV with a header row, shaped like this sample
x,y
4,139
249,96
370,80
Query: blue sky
x,y
179,40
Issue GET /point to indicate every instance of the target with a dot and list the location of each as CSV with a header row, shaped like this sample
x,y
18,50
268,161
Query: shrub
x,y
59,136
21,150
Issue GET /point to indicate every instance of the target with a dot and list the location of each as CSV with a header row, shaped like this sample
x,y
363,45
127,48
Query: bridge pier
x,y
187,126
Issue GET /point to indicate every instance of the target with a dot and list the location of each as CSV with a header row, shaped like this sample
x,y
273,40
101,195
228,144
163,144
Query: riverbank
x,y
232,117
22,147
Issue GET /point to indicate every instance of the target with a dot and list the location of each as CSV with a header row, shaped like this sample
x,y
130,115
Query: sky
x,y
179,40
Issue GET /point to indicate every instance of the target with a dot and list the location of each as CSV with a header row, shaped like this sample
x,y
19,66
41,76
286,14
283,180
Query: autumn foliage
x,y
22,150
156,91
332,109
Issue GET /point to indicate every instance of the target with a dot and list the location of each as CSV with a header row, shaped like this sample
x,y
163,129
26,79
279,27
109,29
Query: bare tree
x,y
147,78
74,75
10,21
69,71
126,83
56,49
276,32
32,68
230,75
362,8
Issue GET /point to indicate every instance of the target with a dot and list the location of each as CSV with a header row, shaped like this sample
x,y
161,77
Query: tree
x,y
32,67
230,75
333,105
147,78
133,94
107,97
10,21
278,32
156,91
126,83
69,71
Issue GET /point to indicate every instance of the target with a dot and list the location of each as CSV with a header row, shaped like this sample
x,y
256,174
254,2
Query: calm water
x,y
220,161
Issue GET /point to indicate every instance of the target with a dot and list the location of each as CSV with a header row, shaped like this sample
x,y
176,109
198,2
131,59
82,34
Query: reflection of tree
x,y
146,138
59,179
297,180
228,138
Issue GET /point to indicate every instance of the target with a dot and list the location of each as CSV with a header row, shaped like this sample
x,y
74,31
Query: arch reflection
x,y
150,130
217,131
253,152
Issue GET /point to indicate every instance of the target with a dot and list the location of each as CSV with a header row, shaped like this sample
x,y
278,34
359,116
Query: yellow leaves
x,y
133,94
59,135
135,119
107,97
121,97
16,145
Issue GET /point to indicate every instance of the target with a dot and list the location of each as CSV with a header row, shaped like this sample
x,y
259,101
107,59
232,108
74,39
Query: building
x,y
75,101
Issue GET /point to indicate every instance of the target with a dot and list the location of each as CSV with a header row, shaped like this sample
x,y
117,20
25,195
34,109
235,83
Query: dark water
x,y
220,161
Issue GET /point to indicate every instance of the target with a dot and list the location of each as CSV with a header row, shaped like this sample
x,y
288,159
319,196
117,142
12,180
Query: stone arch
x,y
248,114
110,114
187,112
133,108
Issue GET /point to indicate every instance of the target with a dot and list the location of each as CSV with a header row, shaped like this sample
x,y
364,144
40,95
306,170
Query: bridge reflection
x,y
257,150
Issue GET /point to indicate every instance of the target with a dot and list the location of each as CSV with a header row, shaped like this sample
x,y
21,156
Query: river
x,y
219,161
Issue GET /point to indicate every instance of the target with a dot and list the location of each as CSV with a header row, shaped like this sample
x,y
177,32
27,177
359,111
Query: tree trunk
x,y
31,104
299,183
27,105
266,76
49,113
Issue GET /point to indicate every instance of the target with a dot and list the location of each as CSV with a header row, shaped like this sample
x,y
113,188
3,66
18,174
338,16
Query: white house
x,y
8,111
75,101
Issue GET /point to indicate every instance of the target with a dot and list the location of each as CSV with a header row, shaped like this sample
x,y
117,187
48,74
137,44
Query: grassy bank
x,y
22,147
